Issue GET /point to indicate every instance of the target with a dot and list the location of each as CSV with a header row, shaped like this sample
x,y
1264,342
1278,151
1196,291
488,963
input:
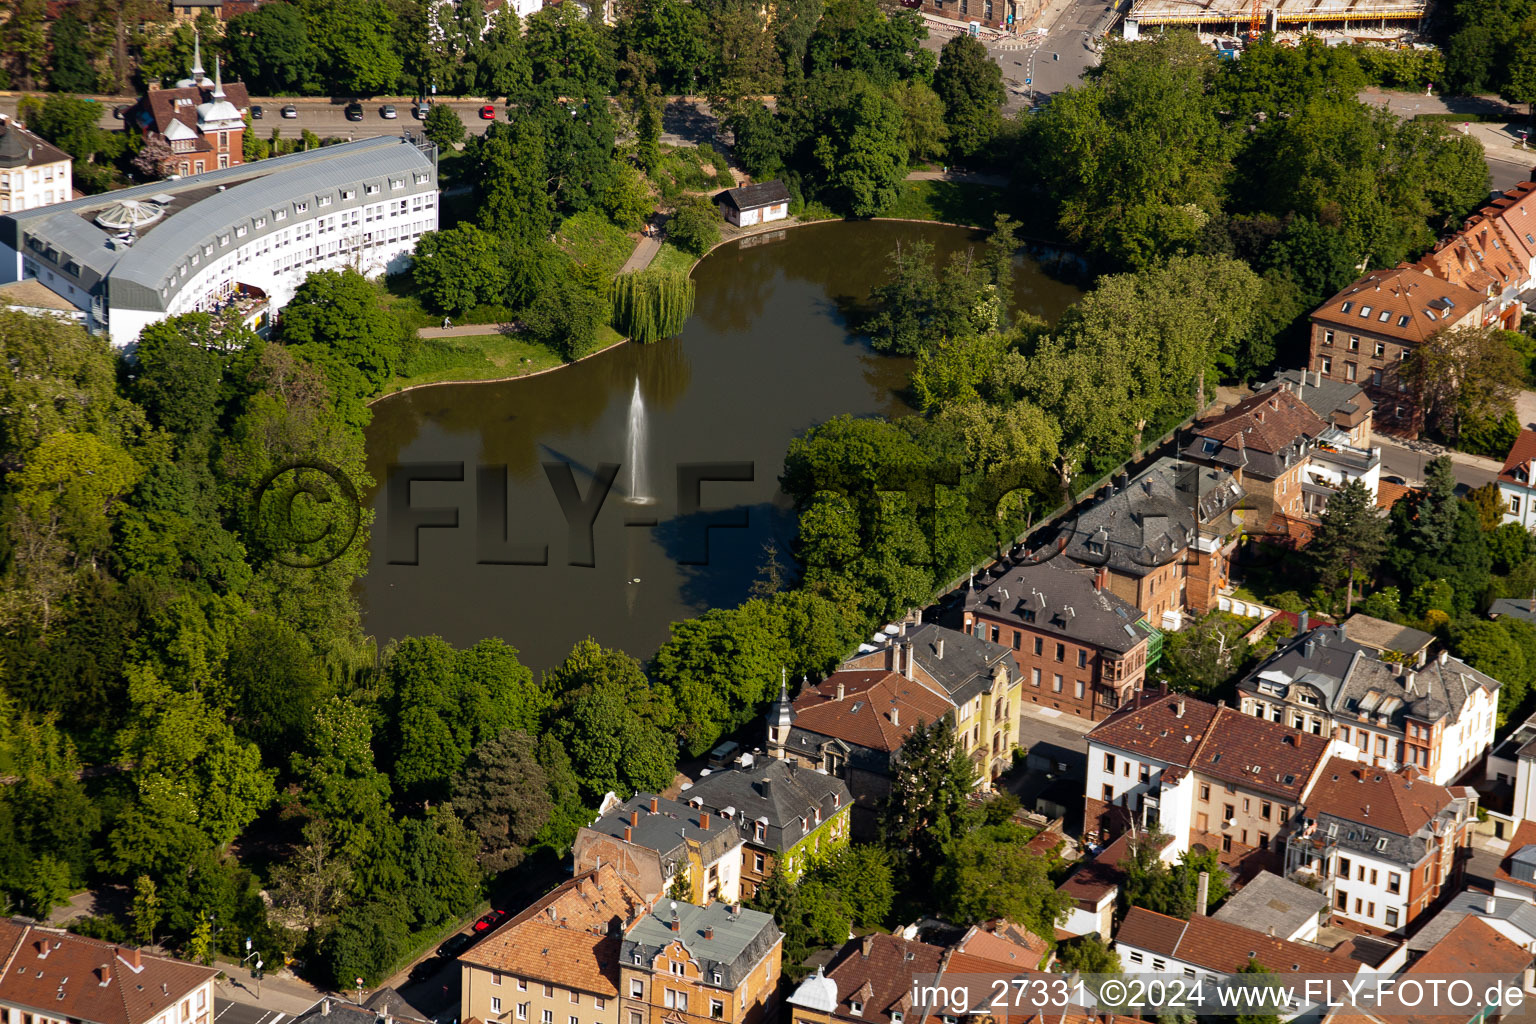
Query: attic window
x,y
1346,307
855,1007
1333,829
1211,444
1365,310
1215,757
1381,844
1386,315
1402,320
1289,779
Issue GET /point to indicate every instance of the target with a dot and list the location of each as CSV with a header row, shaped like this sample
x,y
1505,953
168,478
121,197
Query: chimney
x,y
106,975
1308,647
895,715
766,787
1303,621
940,648
1271,931
865,946
709,933
1491,905
655,806
325,1007
1178,709
628,834
676,925
634,818
135,960
839,689
704,821
1412,677
1203,893
906,646
1443,656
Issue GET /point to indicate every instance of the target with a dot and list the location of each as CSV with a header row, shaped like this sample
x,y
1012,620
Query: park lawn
x,y
949,201
399,295
590,237
474,357
670,257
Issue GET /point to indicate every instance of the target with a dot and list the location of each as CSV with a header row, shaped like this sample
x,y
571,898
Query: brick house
x,y
1077,647
1493,254
556,959
1286,457
1342,404
851,725
52,976
682,964
1199,772
976,674
1385,846
1165,538
1438,715
786,815
202,120
1363,334
651,839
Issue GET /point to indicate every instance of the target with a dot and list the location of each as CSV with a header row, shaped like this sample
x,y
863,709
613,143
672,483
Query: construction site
x,y
1227,22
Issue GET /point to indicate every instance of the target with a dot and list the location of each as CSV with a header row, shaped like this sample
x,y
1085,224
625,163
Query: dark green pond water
x,y
767,354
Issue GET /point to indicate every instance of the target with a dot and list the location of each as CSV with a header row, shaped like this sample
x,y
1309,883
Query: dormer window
x,y
371,190
1365,311
325,200
855,1007
1346,307
301,207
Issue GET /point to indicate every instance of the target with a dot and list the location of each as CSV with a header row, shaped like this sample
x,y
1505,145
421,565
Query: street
x,y
1051,62
1399,461
227,1012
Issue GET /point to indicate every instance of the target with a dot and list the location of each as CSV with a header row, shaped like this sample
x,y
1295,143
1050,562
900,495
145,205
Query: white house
x,y
754,204
1517,481
33,172
1209,950
241,237
1383,845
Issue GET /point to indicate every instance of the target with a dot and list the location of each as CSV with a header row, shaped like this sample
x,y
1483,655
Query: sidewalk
x,y
282,992
963,177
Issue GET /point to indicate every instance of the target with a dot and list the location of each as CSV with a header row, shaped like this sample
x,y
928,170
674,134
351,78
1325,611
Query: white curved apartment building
x,y
243,236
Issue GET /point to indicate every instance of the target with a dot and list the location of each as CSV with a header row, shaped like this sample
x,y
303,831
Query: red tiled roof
x,y
878,965
863,715
566,937
1223,946
1102,875
1269,422
1471,947
71,976
1389,494
1525,835
1259,754
161,104
1165,727
1003,942
1390,801
1520,456
1411,298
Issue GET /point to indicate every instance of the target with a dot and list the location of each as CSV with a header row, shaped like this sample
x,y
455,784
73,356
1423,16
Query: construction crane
x,y
1253,23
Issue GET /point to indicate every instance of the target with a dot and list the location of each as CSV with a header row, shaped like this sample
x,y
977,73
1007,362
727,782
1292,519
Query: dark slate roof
x,y
780,794
388,1001
1520,915
739,938
21,148
960,663
1350,679
664,829
1323,396
1514,607
1154,518
755,197
331,1010
1057,598
1264,434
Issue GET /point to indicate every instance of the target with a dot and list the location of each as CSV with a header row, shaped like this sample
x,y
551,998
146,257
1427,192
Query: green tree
x,y
68,41
970,83
25,42
314,883
627,200
695,224
512,183
615,726
146,910
270,49
1351,537
357,38
1461,376
567,316
336,321
858,154
338,782
458,268
1260,980
987,873
503,795
1087,954
443,126
178,377
928,807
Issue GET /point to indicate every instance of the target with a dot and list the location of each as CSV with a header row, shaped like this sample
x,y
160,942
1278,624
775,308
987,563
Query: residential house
x,y
1200,773
33,171
1509,780
682,964
1494,253
977,675
1517,481
1276,906
1512,918
1342,404
52,976
1094,887
555,960
651,840
1287,459
1363,334
202,120
852,725
1165,538
786,815
1439,716
1389,640
385,1005
1077,647
1208,951
1515,877
1385,846
747,205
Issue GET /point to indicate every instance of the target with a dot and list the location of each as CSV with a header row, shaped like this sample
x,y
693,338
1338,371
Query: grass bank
x,y
950,201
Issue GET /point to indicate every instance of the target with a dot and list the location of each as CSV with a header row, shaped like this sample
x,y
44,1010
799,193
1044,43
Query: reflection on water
x,y
766,355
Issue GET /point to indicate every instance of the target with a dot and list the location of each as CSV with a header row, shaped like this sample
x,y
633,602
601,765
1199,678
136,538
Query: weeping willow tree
x,y
652,304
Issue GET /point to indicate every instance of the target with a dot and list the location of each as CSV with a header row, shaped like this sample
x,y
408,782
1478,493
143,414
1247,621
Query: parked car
x,y
121,111
421,110
290,111
487,113
354,111
456,944
490,921
425,970
724,754
387,112
257,112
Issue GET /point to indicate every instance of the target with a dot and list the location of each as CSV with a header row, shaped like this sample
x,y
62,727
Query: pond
x,y
766,355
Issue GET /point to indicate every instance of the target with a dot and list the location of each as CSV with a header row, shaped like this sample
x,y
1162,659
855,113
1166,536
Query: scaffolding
x,y
1344,17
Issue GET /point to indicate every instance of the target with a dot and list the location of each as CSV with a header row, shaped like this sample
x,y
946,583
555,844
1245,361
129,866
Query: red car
x,y
487,113
490,921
